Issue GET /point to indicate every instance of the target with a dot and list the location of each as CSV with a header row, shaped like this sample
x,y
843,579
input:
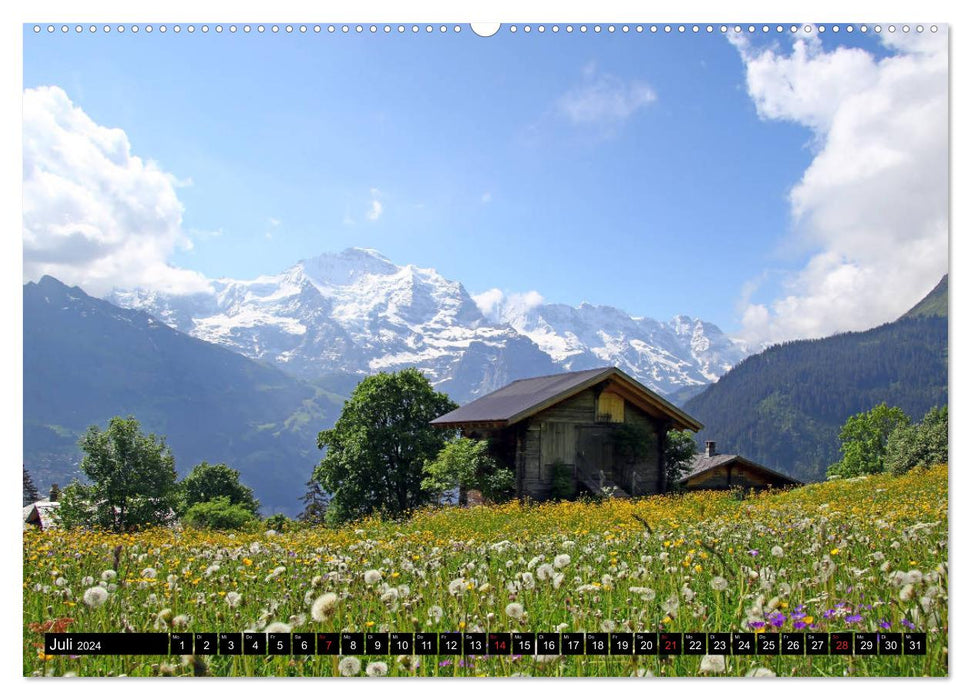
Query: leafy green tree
x,y
466,464
133,479
219,514
377,448
679,451
863,441
209,481
31,494
922,445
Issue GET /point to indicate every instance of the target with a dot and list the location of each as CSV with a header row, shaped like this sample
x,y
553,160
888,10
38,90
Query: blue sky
x,y
647,171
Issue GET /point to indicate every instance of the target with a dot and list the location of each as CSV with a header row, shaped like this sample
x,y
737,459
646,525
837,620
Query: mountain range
x,y
357,313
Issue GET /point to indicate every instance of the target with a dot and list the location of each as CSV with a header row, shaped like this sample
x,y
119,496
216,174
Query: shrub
x,y
218,514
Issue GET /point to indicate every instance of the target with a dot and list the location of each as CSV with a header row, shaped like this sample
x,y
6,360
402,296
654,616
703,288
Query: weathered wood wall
x,y
557,434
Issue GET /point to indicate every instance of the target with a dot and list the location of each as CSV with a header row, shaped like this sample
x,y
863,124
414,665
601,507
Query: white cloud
x,y
94,214
500,307
376,208
873,203
604,100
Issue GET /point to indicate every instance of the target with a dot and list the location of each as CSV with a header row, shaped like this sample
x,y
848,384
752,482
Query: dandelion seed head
x,y
561,560
515,611
712,663
233,599
349,666
719,584
372,576
377,668
324,607
95,597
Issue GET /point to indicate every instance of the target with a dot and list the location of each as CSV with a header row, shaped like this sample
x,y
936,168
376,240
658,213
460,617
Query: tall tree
x,y
315,502
133,479
377,448
206,482
31,494
921,445
863,441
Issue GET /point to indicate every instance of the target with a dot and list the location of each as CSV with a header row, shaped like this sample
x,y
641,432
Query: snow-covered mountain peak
x,y
357,311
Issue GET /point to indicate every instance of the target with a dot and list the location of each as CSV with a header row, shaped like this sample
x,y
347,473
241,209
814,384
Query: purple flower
x,y
854,618
884,624
908,624
799,624
753,552
777,619
829,614
446,662
756,624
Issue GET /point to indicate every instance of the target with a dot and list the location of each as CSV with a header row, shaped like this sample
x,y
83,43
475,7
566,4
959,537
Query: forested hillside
x,y
784,407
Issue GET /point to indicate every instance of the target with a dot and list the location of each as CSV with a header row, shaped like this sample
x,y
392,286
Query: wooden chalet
x,y
710,470
570,421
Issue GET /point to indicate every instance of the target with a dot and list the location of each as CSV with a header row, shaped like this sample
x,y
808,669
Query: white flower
x,y
545,571
456,586
435,612
254,547
149,572
528,581
277,627
87,581
906,593
60,581
377,668
390,596
719,584
778,551
180,622
713,663
233,599
557,580
371,576
533,562
515,611
324,607
95,597
349,666
561,560
108,574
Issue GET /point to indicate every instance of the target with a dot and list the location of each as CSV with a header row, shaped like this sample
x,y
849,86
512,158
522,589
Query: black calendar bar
x,y
106,643
493,643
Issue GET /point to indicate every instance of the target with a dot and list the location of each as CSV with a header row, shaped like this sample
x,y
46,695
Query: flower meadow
x,y
865,554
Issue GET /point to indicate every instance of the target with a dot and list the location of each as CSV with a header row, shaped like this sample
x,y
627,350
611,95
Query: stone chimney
x,y
710,448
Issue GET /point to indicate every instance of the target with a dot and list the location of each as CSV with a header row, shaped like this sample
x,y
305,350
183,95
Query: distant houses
x,y
711,470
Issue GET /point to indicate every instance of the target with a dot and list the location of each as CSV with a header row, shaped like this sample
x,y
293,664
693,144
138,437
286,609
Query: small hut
x,y
578,424
714,471
41,514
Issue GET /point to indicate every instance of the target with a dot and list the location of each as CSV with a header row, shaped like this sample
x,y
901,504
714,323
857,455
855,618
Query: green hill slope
x,y
86,360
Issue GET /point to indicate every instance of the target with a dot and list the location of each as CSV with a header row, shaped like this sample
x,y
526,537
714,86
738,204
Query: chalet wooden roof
x,y
702,463
526,397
